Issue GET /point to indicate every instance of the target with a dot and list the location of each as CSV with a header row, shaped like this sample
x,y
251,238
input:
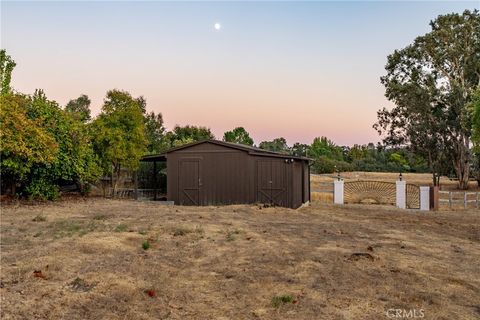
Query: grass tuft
x,y
121,228
181,232
39,218
146,245
277,301
231,235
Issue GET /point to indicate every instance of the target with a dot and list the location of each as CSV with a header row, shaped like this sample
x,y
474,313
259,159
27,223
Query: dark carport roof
x,y
249,149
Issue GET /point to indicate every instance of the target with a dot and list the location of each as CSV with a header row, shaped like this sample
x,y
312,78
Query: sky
x,y
279,69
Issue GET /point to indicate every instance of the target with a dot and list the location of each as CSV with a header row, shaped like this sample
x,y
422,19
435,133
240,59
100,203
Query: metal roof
x,y
251,150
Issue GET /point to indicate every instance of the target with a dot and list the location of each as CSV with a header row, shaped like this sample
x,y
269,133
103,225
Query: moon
x,y
217,26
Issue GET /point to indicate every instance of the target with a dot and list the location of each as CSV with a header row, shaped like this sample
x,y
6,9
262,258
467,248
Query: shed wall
x,y
230,176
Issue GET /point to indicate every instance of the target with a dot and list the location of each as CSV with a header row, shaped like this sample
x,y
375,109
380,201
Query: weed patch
x,y
181,232
81,285
66,228
232,235
39,218
121,228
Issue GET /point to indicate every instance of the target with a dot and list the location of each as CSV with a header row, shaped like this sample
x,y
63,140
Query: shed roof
x,y
249,149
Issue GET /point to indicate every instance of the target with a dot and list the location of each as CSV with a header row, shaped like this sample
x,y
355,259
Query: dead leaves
x,y
151,293
39,274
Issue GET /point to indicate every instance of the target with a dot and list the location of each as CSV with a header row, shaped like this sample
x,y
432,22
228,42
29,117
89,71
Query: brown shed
x,y
214,172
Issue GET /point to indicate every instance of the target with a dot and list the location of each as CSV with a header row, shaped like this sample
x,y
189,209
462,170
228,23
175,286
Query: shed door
x,y
272,182
189,182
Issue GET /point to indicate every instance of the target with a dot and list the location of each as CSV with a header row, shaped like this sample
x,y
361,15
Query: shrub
x,y
146,245
42,189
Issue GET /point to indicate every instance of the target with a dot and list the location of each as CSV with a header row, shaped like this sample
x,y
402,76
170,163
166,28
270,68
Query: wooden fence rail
x,y
464,198
129,193
324,187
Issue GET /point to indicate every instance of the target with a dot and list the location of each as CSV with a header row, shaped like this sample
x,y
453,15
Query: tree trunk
x,y
461,162
117,178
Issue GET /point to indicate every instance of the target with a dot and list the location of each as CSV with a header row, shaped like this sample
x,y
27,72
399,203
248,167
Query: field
x,y
121,259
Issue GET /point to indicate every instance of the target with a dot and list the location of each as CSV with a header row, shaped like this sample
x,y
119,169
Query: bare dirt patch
x,y
86,260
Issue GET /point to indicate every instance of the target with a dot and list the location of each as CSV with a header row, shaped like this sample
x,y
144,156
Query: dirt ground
x,y
114,259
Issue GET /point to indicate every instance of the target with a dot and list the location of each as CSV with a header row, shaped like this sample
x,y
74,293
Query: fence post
x,y
136,184
401,194
338,192
425,198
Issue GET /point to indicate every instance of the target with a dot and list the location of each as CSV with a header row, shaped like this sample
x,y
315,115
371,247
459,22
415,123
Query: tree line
x,y
434,125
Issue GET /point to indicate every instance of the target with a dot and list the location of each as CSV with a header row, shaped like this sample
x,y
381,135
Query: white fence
x,y
463,199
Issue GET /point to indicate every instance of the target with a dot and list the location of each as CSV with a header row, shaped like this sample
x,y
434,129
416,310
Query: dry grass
x,y
236,262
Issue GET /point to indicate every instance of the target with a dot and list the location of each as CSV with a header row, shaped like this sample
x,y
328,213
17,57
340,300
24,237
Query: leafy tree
x,y
155,133
276,145
474,108
397,159
238,135
322,146
357,152
187,134
300,149
431,82
79,108
119,133
6,68
75,160
23,141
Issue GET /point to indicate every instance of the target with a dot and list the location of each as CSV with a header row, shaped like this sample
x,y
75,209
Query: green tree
x,y
300,149
187,134
23,141
75,160
398,160
322,146
155,132
474,108
431,82
238,135
276,145
6,68
119,133
79,108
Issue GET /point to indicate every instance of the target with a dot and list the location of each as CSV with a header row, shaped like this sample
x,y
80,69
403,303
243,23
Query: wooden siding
x,y
225,175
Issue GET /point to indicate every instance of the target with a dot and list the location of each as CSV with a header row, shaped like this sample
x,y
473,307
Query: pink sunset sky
x,y
279,69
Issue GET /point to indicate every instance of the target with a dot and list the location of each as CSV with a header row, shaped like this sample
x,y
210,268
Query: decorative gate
x,y
413,196
381,192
